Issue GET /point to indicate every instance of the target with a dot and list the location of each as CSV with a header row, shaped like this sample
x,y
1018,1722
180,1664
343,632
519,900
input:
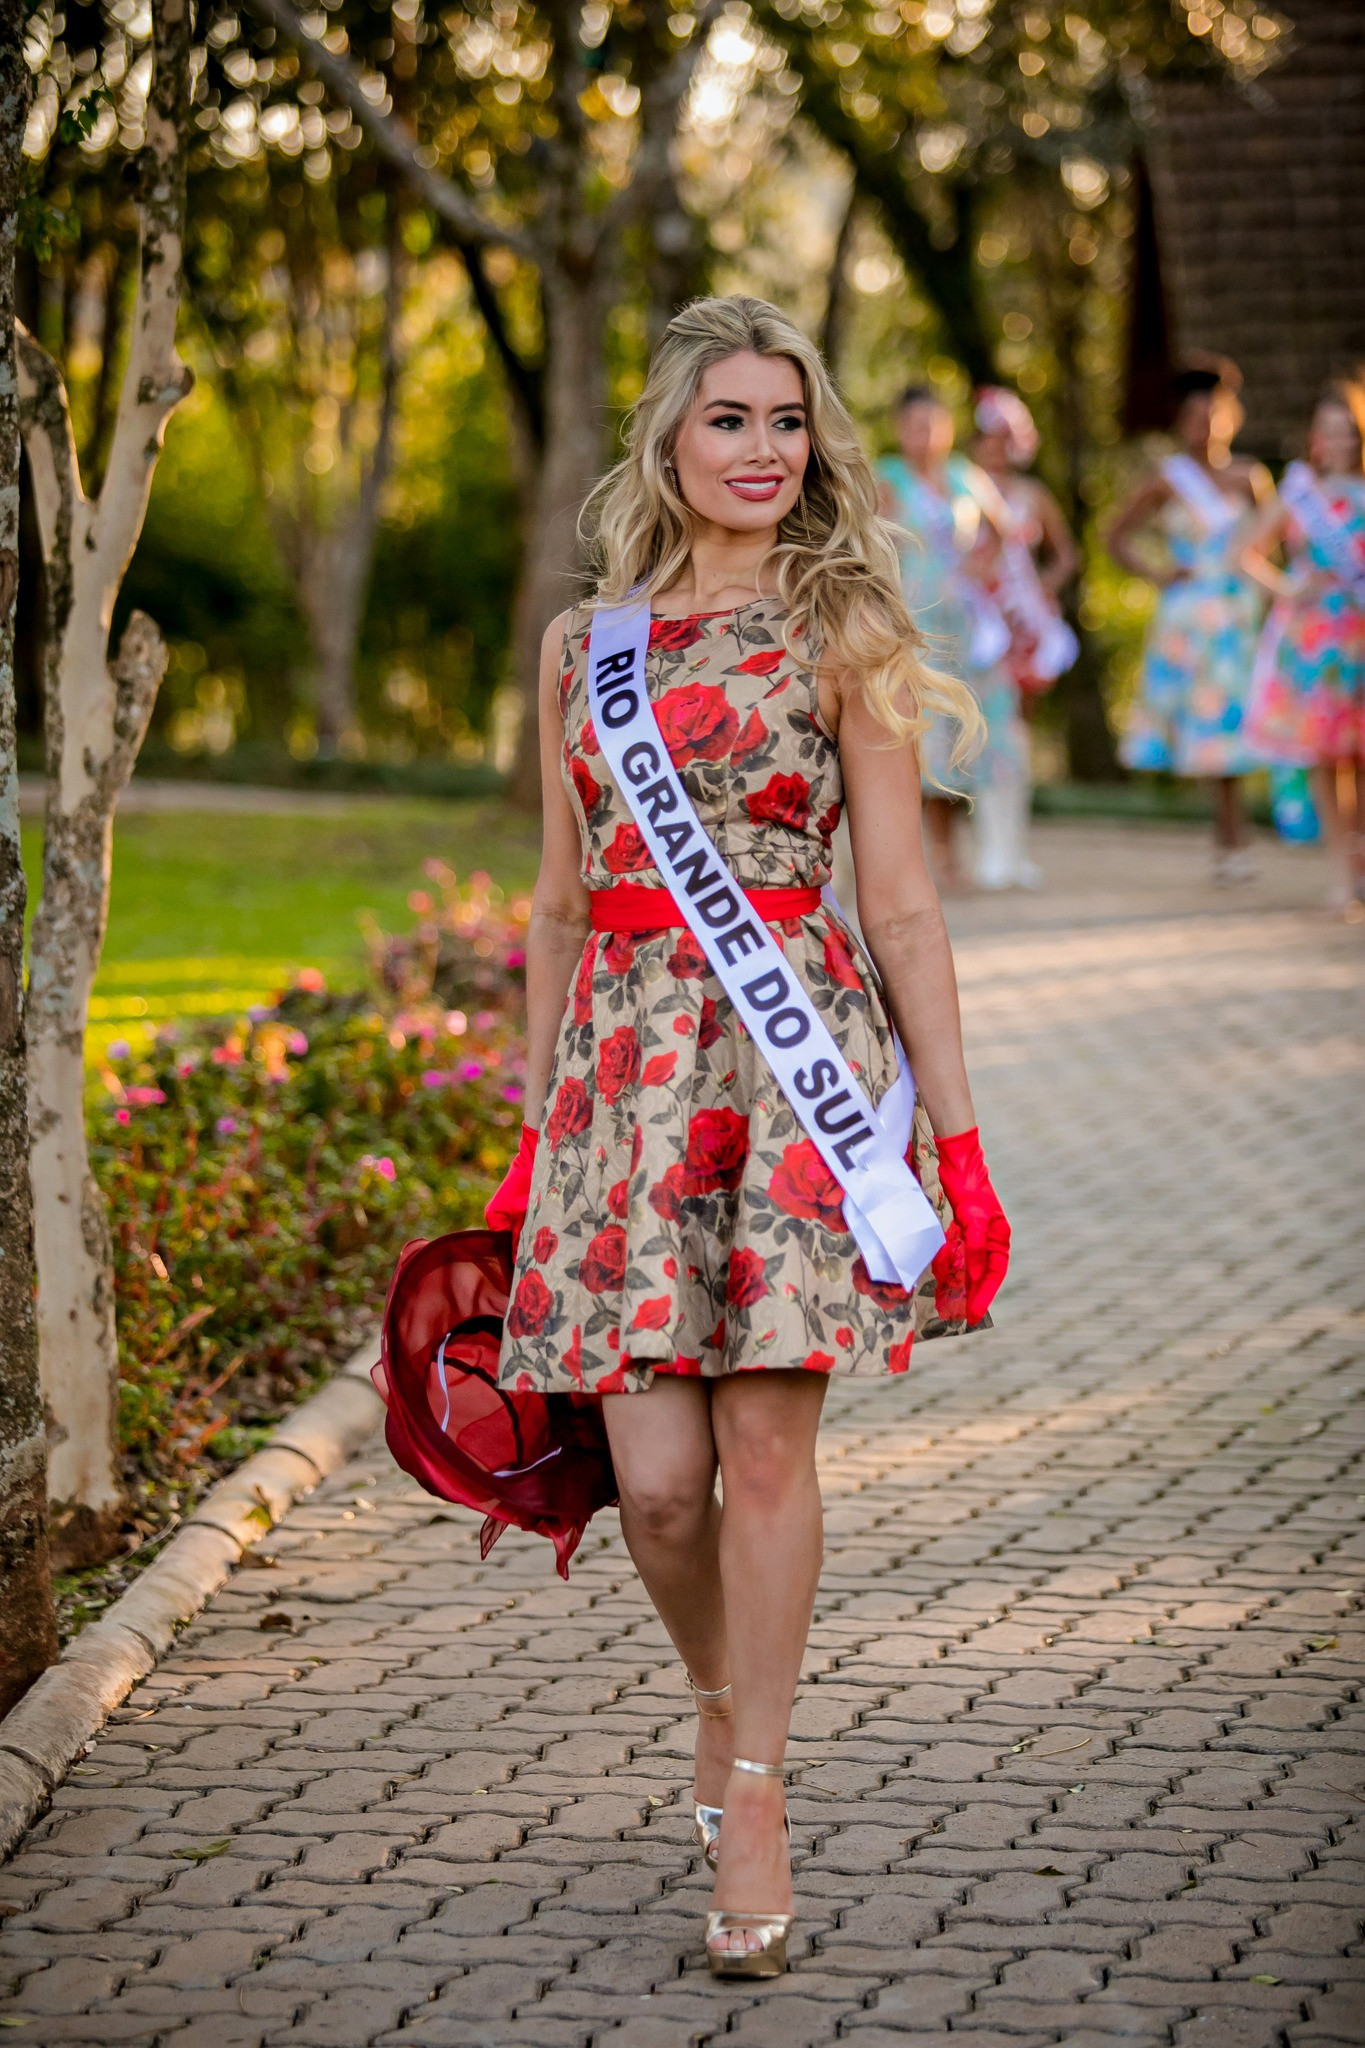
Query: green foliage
x,y
207,572
261,1179
43,224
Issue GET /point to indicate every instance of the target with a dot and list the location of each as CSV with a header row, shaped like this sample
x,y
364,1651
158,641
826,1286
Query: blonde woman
x,y
684,1251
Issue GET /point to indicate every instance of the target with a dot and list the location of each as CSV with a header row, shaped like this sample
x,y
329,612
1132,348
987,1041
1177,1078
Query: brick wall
x,y
1260,209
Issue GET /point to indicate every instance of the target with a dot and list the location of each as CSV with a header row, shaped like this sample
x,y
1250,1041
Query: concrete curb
x,y
42,1737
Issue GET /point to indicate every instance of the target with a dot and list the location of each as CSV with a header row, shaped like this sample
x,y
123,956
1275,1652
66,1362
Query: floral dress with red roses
x,y
680,1219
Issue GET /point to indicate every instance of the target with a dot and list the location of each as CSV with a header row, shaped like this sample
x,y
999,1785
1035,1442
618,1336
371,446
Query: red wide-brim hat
x,y
537,1461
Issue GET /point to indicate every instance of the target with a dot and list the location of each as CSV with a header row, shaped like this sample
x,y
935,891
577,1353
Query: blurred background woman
x,y
1196,669
1038,558
1308,696
956,522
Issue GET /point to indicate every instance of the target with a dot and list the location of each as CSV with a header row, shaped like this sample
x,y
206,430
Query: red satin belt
x,y
639,907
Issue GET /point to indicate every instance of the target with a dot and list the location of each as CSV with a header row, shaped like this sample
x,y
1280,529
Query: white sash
x,y
1024,600
1310,505
1198,490
884,1206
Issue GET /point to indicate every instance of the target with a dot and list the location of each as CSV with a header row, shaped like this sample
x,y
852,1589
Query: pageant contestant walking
x,y
714,1208
1196,667
1308,693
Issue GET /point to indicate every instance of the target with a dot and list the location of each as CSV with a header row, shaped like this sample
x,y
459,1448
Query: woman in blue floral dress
x,y
1196,667
944,504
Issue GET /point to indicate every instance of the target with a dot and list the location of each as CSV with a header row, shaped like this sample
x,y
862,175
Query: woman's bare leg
x,y
771,1543
1229,820
1338,835
940,821
665,1459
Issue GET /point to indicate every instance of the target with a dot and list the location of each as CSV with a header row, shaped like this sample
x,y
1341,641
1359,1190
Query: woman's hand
x,y
978,1218
512,1198
1142,507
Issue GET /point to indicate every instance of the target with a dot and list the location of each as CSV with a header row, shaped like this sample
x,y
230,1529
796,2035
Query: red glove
x,y
512,1198
978,1221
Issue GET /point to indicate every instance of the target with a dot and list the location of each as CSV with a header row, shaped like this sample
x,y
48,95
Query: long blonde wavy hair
x,y
836,564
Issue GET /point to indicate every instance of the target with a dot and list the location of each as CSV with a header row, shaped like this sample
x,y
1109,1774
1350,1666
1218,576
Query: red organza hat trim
x,y
535,1461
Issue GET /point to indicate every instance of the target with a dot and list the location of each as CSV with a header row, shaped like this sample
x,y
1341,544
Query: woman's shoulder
x,y
566,629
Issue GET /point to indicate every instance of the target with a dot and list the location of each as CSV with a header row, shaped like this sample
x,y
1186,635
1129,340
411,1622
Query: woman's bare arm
x,y
1265,535
1063,556
559,902
1144,504
898,909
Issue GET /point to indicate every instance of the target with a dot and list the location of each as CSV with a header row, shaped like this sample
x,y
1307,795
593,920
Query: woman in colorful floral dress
x,y
683,1250
954,520
1308,696
1196,667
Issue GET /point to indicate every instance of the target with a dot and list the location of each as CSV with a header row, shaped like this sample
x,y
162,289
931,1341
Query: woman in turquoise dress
x,y
1196,669
944,503
1308,696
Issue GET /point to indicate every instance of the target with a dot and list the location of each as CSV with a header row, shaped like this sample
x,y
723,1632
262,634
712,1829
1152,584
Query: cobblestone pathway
x,y
1077,1757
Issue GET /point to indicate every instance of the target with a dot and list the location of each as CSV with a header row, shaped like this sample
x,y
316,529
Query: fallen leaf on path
x,y
1267,1980
202,1853
1049,1870
1322,1642
1040,1755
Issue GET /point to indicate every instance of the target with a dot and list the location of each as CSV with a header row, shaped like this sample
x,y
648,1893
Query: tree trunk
x,y
28,1633
576,310
835,322
335,566
1091,753
333,580
96,717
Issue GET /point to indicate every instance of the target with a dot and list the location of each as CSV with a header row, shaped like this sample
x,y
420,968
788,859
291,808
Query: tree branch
x,y
525,378
156,379
137,670
50,444
390,138
944,274
662,96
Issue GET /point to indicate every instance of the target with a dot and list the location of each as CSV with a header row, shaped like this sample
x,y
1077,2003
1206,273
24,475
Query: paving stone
x,y
1067,1769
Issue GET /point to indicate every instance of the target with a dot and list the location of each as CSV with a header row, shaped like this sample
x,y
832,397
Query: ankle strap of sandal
x,y
700,1693
744,1763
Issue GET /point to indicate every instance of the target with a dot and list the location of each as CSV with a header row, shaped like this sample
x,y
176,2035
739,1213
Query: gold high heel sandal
x,y
769,1958
708,1818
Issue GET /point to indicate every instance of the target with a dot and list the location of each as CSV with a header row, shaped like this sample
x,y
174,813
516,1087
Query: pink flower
x,y
513,1092
484,1020
119,1049
456,1023
143,1098
311,980
516,957
435,1078
297,1043
384,1167
123,1116
226,1056
184,1069
226,1126
470,1070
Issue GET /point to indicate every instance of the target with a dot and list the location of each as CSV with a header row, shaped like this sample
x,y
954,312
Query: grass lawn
x,y
214,911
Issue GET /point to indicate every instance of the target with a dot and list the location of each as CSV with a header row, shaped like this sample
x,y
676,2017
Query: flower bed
x,y
262,1175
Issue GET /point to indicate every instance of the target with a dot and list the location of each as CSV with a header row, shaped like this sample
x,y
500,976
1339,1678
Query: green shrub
x,y
262,1176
